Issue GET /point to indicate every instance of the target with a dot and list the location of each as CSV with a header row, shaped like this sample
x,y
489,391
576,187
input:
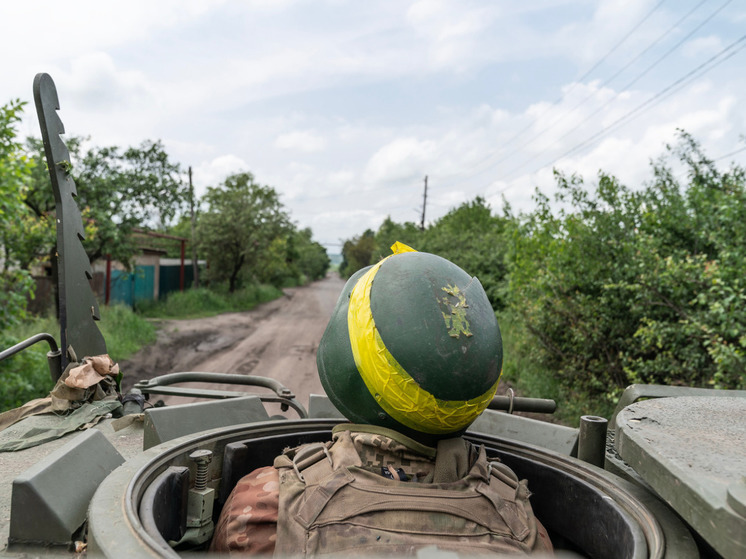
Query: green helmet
x,y
413,345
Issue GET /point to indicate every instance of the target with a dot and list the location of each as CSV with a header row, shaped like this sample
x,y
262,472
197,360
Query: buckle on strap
x,y
309,455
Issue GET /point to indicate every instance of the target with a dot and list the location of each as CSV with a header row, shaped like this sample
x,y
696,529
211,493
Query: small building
x,y
151,278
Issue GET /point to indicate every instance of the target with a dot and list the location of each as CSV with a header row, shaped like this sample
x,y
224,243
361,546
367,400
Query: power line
x,y
655,99
729,154
564,94
599,109
563,115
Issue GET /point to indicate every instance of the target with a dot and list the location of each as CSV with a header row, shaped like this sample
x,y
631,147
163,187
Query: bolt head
x,y
202,456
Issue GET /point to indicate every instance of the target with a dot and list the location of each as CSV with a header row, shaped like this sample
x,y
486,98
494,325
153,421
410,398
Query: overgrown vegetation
x,y
15,170
607,285
26,376
196,303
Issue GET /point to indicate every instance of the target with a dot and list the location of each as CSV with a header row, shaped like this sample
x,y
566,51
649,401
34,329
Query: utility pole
x,y
195,267
424,205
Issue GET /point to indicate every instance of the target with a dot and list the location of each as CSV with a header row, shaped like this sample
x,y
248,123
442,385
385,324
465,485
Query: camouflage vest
x,y
334,500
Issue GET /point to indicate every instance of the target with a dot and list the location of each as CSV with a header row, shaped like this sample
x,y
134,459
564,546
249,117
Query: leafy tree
x,y
390,232
293,259
472,238
241,220
117,192
139,187
15,168
357,253
311,257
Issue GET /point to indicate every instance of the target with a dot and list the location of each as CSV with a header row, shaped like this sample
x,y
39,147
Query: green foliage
x,y
125,332
292,260
15,168
118,190
138,187
242,219
246,235
523,370
310,257
620,286
358,253
202,302
390,232
25,376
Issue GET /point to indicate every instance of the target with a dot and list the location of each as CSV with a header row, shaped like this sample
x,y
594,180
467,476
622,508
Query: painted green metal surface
x,y
170,422
78,307
555,437
692,452
50,499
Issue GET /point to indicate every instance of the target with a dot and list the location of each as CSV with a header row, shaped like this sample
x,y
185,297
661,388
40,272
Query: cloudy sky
x,y
345,106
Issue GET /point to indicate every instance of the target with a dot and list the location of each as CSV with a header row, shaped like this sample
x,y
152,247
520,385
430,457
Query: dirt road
x,y
276,340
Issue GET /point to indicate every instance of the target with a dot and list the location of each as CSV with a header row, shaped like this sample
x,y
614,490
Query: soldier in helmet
x,y
411,356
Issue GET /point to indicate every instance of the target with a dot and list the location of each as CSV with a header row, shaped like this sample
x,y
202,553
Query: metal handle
x,y
54,355
162,385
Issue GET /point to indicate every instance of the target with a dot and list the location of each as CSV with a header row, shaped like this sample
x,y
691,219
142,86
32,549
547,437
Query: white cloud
x,y
215,171
452,29
96,84
341,177
401,159
301,140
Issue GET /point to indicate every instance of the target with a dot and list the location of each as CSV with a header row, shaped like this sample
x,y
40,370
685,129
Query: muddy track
x,y
277,340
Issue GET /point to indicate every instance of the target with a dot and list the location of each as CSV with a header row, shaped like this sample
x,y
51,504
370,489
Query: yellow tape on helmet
x,y
390,385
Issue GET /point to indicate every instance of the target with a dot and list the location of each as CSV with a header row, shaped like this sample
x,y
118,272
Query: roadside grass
x,y
202,302
523,370
26,376
125,332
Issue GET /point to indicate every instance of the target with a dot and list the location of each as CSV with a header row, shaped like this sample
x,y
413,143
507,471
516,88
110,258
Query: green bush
x,y
125,332
622,286
202,302
26,375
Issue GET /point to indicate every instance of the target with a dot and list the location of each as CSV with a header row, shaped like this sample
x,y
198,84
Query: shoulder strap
x,y
453,460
